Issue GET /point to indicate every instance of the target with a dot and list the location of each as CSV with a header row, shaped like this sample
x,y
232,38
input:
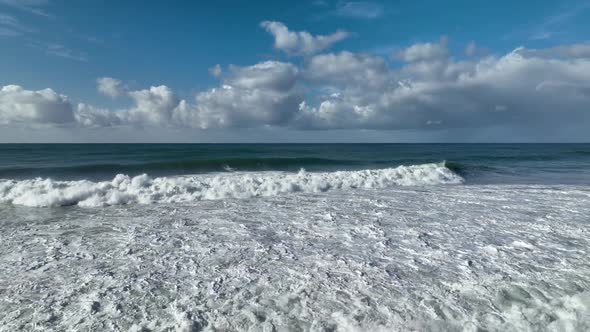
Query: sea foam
x,y
143,189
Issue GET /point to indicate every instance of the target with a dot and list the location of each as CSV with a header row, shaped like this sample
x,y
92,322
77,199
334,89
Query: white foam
x,y
145,190
428,258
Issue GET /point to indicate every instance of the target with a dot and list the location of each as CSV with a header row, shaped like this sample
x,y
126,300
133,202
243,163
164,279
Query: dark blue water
x,y
477,163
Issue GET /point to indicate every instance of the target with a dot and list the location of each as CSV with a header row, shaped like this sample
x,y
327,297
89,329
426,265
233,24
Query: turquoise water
x,y
477,163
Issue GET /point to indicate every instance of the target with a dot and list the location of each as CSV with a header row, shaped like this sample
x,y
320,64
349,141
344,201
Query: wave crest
x,y
143,189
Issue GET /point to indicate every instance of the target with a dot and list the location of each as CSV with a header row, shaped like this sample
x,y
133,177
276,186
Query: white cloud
x,y
262,94
154,106
272,75
346,68
18,105
90,116
300,42
531,91
257,95
429,90
110,87
157,106
423,52
229,107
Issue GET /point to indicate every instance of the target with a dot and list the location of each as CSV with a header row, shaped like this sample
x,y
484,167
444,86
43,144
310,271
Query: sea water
x,y
295,237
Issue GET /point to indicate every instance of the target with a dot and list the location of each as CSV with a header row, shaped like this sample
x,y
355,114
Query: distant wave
x,y
143,189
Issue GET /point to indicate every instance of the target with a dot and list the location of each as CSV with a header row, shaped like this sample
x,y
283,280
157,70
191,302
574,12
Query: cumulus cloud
x,y
110,87
90,116
272,75
262,94
18,105
427,89
346,68
154,106
423,52
257,95
511,89
300,42
157,106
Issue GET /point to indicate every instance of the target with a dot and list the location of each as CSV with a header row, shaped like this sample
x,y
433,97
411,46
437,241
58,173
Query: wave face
x,y
143,189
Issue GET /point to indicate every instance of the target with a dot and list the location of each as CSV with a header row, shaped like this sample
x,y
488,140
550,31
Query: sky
x,y
294,71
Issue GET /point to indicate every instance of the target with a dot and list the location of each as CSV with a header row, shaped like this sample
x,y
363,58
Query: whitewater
x,y
145,190
412,248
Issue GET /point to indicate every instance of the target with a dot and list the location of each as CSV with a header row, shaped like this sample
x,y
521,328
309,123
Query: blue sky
x,y
68,45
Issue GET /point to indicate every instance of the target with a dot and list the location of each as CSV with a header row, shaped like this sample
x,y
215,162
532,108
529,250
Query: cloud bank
x,y
424,88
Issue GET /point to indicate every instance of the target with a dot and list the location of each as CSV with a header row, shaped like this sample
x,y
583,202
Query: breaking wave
x,y
143,189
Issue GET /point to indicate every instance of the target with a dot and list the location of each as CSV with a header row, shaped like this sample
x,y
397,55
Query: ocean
x,y
295,237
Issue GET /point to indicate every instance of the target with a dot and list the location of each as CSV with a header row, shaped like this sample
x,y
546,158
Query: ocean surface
x,y
295,237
